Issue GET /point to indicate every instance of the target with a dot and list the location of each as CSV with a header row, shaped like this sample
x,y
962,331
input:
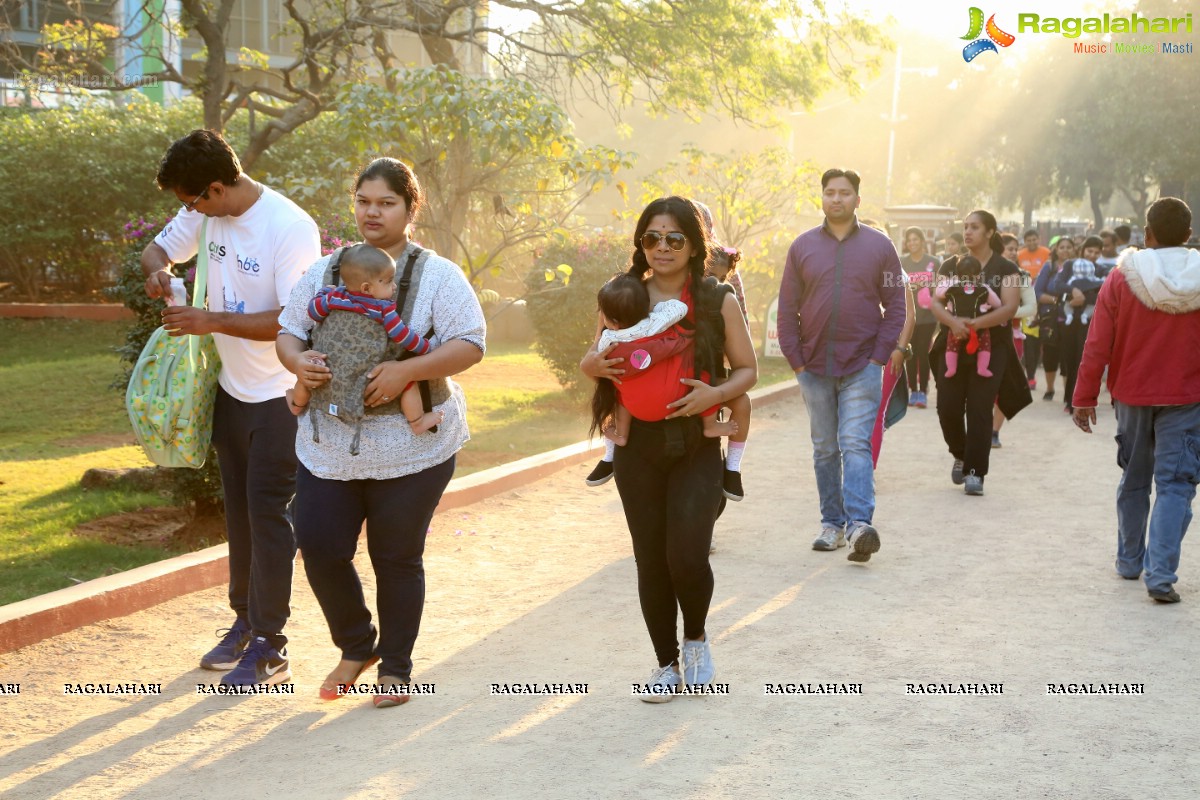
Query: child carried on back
x,y
658,354
966,296
357,339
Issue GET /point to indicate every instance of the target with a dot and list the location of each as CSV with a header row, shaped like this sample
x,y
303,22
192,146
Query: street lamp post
x,y
896,116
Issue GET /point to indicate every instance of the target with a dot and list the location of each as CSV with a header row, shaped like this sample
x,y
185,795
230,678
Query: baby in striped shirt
x,y
369,278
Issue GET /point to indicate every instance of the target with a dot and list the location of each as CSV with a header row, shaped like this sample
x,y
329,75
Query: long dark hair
x,y
989,223
1054,251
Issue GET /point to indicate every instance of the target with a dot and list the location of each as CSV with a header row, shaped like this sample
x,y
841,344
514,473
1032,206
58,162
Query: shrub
x,y
562,302
64,226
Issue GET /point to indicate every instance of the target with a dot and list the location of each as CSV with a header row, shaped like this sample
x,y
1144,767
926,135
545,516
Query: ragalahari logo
x,y
995,36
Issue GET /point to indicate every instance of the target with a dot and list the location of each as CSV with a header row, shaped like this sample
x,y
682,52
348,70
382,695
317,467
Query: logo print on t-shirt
x,y
248,265
235,306
640,359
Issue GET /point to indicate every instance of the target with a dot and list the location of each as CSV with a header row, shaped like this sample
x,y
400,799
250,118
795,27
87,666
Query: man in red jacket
x,y
1146,330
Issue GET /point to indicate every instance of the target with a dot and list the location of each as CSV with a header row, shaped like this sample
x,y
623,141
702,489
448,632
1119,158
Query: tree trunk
x,y
213,31
296,116
434,16
1097,208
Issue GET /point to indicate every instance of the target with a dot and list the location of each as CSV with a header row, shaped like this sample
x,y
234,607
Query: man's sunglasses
x,y
192,205
675,240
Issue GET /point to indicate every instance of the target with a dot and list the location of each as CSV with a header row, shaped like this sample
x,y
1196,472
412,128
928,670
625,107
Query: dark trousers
x,y
1032,356
397,511
1073,337
1050,344
969,397
669,479
256,452
918,364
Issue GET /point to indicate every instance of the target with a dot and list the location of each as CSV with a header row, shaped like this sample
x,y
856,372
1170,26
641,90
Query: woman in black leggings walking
x,y
669,473
921,269
965,399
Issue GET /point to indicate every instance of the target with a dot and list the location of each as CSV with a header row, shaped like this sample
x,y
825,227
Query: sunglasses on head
x,y
675,240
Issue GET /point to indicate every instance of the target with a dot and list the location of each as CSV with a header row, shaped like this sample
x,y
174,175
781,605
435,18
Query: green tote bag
x,y
173,388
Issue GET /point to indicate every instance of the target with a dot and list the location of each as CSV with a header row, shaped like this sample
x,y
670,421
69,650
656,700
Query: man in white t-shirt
x,y
259,244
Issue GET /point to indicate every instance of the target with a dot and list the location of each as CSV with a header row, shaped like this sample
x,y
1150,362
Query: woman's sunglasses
x,y
675,240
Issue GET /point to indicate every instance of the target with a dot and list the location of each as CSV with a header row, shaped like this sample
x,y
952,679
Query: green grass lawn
x,y
59,417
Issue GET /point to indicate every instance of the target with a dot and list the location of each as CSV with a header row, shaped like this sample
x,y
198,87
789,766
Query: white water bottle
x,y
178,292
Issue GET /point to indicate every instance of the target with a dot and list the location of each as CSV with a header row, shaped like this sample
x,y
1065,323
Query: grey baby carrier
x,y
354,344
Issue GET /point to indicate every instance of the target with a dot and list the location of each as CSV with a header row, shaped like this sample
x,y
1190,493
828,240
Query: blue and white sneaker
x,y
697,663
229,650
663,685
261,663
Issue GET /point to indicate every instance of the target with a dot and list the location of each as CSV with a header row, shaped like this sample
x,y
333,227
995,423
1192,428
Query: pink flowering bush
x,y
337,231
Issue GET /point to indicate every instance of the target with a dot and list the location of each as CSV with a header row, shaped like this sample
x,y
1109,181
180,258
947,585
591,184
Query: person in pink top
x,y
1145,331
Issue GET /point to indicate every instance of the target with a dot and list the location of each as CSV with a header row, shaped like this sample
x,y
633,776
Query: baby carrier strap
x,y
708,309
404,285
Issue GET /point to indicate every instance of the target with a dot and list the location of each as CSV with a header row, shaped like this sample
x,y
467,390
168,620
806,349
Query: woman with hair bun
x,y
964,401
395,480
668,473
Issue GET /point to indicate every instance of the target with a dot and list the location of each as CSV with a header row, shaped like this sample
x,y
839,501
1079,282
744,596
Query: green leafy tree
x,y
741,58
750,194
1117,127
755,199
72,178
500,163
965,185
562,287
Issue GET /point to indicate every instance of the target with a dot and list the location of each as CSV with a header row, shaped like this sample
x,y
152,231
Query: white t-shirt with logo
x,y
254,260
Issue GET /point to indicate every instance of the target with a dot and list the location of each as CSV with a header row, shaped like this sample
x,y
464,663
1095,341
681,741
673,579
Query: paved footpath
x,y
537,586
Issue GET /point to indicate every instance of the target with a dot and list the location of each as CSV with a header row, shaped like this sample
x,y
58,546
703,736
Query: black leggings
x,y
918,364
669,479
1050,344
964,406
1073,337
1033,353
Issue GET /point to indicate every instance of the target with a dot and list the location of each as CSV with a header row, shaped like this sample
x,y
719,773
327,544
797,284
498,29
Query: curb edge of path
x,y
30,621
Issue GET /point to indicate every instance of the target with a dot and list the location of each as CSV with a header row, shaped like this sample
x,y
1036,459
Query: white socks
x,y
733,456
610,447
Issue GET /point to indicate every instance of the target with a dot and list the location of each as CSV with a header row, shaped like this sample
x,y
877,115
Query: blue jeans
x,y
1159,444
841,414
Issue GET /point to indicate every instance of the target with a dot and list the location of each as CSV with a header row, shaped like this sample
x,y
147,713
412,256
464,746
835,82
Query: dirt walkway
x,y
537,586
